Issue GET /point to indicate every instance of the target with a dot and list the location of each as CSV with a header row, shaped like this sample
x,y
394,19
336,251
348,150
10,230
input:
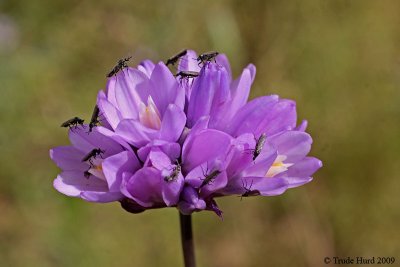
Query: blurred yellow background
x,y
340,60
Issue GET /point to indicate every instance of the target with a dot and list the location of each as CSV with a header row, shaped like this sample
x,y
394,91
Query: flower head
x,y
172,142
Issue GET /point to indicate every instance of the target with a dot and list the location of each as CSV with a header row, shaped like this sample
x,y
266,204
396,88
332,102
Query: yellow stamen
x,y
278,166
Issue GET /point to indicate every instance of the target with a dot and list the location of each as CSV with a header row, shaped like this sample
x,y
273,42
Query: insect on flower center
x,y
149,115
278,166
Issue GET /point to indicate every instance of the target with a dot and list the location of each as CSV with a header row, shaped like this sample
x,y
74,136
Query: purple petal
x,y
252,70
101,197
85,142
114,166
173,150
205,146
282,117
114,136
171,190
172,124
212,205
219,182
135,133
223,61
147,67
240,90
126,92
189,62
294,145
302,127
190,201
72,183
68,158
197,176
145,186
108,110
200,125
210,91
159,159
251,115
164,88
270,119
267,186
297,181
263,162
304,168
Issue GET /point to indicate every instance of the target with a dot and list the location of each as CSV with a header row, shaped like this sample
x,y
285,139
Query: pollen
x,y
99,167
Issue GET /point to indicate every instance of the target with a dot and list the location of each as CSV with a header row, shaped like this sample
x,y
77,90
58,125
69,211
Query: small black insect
x,y
172,60
95,118
174,174
87,174
187,74
120,65
92,155
209,178
259,145
74,122
207,57
249,192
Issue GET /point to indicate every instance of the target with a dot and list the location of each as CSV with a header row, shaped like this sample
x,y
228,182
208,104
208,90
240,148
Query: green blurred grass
x,y
339,61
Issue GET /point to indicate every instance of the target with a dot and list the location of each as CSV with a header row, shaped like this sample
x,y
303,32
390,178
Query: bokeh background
x,y
340,60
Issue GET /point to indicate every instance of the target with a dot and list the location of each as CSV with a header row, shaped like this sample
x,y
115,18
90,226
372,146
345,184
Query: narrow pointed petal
x,y
302,127
212,206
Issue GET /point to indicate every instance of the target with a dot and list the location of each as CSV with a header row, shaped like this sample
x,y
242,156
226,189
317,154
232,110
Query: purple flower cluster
x,y
180,142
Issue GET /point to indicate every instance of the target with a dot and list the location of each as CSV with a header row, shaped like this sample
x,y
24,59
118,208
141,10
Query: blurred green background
x,y
340,60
